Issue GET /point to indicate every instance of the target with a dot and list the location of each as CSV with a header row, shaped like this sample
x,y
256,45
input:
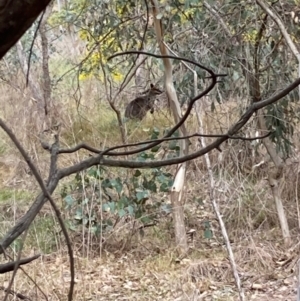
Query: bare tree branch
x,y
97,151
8,267
47,194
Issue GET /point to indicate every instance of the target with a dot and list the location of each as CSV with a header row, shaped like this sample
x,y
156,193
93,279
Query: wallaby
x,y
138,108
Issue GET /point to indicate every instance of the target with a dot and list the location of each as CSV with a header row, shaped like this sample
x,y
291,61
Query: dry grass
x,y
147,268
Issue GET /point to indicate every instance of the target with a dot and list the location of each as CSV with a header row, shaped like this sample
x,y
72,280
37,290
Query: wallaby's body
x,y
138,108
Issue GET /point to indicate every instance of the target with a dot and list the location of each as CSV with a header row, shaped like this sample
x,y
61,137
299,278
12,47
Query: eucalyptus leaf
x,y
122,212
69,200
140,195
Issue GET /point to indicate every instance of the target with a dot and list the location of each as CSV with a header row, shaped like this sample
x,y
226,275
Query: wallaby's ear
x,y
151,86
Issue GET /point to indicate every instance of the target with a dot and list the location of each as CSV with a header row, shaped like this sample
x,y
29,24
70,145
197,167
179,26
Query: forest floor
x,y
155,277
149,269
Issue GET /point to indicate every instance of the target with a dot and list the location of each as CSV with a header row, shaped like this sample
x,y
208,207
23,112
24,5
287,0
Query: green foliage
x,y
113,26
114,197
227,48
97,199
106,27
207,230
281,129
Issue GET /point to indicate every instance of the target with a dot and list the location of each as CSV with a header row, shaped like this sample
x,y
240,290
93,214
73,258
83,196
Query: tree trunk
x,y
252,77
177,191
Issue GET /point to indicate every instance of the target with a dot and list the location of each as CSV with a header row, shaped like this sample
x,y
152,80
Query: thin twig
x,y
32,43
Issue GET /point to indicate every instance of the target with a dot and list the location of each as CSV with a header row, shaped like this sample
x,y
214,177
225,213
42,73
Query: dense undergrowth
x,y
114,214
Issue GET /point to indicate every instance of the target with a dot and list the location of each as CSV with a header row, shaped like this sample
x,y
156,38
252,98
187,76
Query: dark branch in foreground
x,y
15,18
45,194
108,151
10,266
97,151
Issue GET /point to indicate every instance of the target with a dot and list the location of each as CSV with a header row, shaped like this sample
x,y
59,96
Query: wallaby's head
x,y
154,90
